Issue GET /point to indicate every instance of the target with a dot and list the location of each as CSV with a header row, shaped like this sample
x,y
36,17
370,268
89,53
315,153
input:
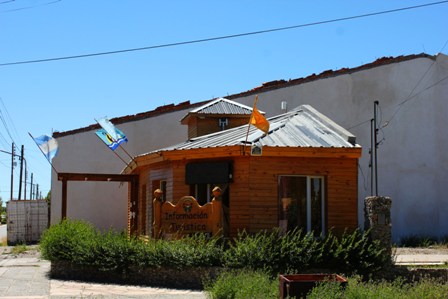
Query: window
x,y
159,184
302,203
202,193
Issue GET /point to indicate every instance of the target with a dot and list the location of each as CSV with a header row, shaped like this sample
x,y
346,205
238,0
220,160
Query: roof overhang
x,y
241,150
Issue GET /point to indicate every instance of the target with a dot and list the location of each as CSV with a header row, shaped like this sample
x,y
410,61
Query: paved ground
x,y
421,256
25,276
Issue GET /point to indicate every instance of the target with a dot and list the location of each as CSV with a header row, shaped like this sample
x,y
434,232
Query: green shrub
x,y
243,284
192,251
261,250
296,251
385,290
79,243
71,240
355,252
114,251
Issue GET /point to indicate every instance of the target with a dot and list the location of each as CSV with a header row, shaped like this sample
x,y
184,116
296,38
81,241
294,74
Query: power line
x,y
223,37
9,119
27,7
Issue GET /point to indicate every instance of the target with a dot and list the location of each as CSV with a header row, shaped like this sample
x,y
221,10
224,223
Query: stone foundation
x,y
378,220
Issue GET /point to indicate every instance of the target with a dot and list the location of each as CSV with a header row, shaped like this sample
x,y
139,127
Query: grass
x,y
394,290
423,241
242,284
19,249
259,284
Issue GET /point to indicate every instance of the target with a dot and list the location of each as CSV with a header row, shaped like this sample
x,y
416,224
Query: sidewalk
x,y
25,276
420,256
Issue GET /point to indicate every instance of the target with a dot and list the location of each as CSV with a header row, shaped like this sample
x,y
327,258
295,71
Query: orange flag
x,y
257,119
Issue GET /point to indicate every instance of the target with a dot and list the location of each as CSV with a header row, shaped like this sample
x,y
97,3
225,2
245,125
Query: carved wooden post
x,y
217,217
157,210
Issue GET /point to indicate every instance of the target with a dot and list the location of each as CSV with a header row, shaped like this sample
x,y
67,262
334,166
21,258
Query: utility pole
x,y
24,185
12,170
371,156
376,145
21,173
31,187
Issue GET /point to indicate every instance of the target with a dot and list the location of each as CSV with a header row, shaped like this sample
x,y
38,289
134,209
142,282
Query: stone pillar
x,y
378,220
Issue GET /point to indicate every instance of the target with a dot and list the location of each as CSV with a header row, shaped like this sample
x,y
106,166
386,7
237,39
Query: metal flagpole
x,y
127,164
248,126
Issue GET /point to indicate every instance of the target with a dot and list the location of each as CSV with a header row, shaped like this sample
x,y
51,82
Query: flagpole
x,y
43,154
127,164
248,126
132,158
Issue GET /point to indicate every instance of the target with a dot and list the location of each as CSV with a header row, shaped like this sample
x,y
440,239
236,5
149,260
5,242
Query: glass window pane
x,y
316,205
292,202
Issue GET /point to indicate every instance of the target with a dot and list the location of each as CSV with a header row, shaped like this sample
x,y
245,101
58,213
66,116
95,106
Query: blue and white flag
x,y
110,128
48,145
111,142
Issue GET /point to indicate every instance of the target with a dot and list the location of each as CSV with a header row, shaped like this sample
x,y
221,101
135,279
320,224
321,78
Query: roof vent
x,y
284,106
256,150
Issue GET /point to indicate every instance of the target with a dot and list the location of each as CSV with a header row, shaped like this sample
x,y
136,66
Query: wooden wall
x,y
254,190
341,179
198,127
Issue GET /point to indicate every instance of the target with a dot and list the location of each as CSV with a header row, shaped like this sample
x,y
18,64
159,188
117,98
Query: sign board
x,y
186,217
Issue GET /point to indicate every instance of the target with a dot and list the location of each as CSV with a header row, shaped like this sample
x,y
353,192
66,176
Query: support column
x,y
378,220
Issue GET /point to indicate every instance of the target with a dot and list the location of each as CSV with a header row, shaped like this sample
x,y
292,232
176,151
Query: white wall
x,y
105,203
412,158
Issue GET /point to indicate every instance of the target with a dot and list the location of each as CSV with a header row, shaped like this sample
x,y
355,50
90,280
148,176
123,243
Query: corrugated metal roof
x,y
301,127
223,106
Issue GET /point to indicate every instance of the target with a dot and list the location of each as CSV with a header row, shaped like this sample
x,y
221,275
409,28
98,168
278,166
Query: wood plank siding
x,y
254,203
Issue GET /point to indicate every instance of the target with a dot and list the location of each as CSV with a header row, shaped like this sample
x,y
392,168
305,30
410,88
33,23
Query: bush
x,y
243,284
393,290
192,251
114,251
355,253
296,251
70,241
79,243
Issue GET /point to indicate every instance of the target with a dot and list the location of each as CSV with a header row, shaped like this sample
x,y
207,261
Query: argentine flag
x,y
48,145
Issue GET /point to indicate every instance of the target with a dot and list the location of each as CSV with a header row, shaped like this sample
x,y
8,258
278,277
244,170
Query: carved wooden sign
x,y
186,217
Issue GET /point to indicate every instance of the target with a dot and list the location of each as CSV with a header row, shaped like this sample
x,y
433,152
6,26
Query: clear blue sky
x,y
67,94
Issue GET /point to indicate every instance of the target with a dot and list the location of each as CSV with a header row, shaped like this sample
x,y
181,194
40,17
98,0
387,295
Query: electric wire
x,y
28,7
409,97
223,37
9,119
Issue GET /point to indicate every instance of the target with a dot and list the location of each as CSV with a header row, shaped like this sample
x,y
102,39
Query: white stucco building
x,y
412,92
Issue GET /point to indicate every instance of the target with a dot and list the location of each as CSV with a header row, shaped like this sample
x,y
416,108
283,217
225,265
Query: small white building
x,y
412,114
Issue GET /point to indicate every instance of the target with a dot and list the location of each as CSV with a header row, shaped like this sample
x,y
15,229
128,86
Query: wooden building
x,y
302,173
